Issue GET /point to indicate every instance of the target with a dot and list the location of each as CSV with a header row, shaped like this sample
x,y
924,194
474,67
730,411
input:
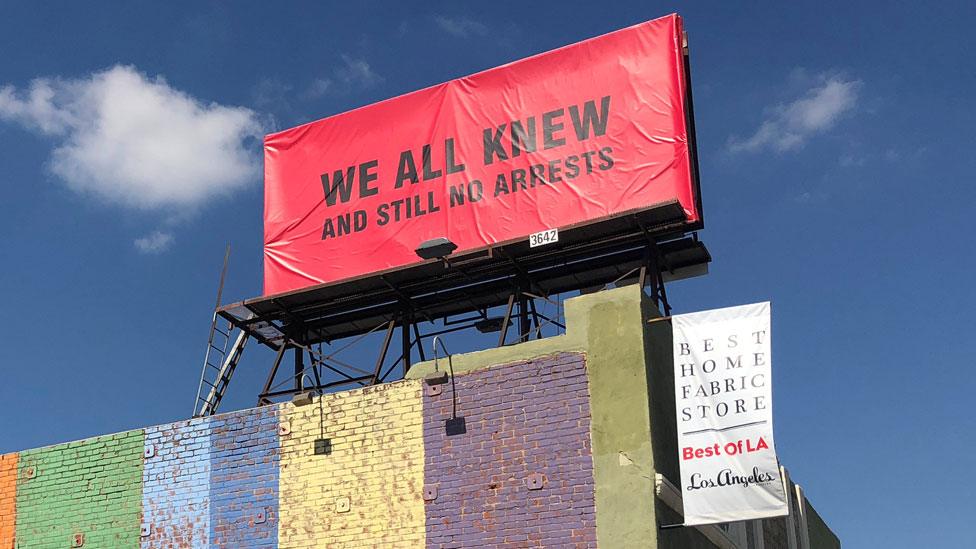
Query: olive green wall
x,y
820,535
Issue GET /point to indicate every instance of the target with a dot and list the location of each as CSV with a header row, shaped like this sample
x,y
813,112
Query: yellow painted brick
x,y
377,462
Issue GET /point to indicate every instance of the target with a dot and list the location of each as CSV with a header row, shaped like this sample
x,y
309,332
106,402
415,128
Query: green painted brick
x,y
91,486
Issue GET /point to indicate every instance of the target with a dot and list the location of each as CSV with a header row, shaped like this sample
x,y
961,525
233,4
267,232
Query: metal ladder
x,y
219,362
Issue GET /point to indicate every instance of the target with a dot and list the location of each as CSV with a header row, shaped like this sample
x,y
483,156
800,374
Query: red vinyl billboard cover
x,y
581,133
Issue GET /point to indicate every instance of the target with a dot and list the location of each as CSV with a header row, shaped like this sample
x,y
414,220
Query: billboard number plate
x,y
542,238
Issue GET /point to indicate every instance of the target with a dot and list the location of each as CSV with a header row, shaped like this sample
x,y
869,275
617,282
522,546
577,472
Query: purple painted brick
x,y
523,419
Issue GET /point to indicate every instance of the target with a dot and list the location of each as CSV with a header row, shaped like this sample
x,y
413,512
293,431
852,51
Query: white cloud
x,y
788,127
357,72
136,141
353,73
155,242
35,109
271,92
851,160
319,87
462,27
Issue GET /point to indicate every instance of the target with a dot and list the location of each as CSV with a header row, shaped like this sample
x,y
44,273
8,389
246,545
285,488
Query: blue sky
x,y
836,148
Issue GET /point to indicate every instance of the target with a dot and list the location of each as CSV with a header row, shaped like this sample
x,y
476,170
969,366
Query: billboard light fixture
x,y
435,378
303,399
436,248
489,325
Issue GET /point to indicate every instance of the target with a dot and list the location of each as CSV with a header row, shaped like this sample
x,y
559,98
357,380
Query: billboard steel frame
x,y
652,250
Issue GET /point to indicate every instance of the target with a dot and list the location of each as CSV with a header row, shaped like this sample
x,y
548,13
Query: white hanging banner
x,y
723,394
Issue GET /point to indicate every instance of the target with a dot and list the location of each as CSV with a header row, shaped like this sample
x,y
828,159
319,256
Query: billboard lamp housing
x,y
489,325
435,248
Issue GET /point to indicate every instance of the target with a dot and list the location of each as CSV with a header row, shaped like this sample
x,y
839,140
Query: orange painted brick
x,y
8,499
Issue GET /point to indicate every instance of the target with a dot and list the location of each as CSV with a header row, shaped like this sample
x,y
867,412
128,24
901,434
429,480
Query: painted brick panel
x,y
8,500
91,487
176,485
368,491
244,458
522,419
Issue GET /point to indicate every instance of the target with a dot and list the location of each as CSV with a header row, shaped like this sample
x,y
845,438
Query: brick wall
x,y
8,500
244,458
176,486
522,475
252,478
563,439
91,488
368,491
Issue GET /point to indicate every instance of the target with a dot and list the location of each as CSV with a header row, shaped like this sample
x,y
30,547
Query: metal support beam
x,y
405,339
391,368
664,294
650,258
506,320
658,292
362,380
315,367
535,319
299,368
383,351
262,398
420,341
523,324
642,278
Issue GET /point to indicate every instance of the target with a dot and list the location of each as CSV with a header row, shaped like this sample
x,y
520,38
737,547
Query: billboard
x,y
578,134
724,404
